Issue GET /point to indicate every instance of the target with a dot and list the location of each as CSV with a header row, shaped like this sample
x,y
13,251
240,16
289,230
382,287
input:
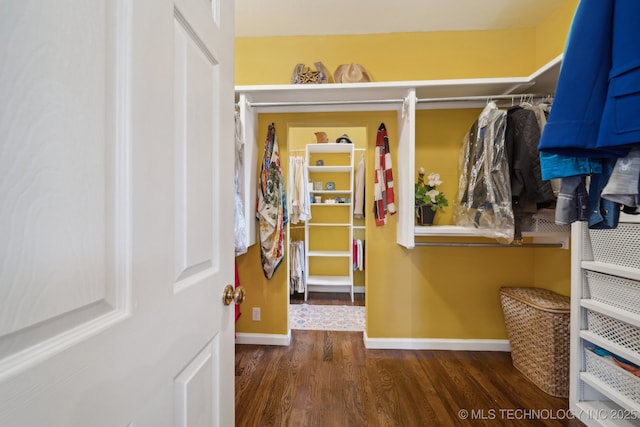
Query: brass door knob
x,y
233,294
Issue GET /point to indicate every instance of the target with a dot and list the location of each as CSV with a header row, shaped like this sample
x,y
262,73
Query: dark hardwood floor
x,y
328,298
329,379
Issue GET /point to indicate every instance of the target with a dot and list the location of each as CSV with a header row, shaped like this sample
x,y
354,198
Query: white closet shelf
x,y
597,383
616,270
460,231
378,96
595,407
329,280
338,163
332,205
404,97
331,254
614,348
450,231
327,169
329,147
330,191
612,394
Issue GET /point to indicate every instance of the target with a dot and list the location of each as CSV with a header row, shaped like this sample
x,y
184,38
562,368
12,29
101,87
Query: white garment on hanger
x,y
296,267
240,224
299,202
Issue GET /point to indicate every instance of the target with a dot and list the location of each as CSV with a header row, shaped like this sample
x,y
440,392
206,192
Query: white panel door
x,y
116,213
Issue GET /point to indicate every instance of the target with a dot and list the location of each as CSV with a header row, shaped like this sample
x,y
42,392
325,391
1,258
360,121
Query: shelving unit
x,y
329,234
605,312
404,97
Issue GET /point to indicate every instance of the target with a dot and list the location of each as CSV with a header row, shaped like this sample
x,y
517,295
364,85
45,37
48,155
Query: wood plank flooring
x,y
328,379
328,298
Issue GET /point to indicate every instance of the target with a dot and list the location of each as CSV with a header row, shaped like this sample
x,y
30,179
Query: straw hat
x,y
351,73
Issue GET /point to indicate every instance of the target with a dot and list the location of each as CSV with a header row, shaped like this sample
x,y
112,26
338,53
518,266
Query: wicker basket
x,y
537,322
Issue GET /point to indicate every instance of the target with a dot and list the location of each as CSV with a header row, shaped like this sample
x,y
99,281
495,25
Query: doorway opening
x,y
327,256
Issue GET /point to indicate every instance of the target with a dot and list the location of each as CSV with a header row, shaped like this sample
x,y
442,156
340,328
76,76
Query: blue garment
x,y
573,201
596,110
560,166
620,125
604,214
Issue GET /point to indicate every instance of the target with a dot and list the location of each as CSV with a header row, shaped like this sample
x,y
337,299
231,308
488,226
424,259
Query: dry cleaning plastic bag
x,y
484,192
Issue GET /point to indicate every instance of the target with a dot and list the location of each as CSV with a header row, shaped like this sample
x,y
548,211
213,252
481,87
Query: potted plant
x,y
428,199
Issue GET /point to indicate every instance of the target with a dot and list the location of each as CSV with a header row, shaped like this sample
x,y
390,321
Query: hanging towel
x,y
271,206
358,202
384,198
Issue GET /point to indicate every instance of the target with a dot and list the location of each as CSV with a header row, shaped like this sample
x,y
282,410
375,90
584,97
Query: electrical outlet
x,y
256,313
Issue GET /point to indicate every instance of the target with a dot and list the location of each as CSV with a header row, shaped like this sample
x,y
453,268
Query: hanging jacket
x,y
528,191
522,136
484,194
596,112
600,63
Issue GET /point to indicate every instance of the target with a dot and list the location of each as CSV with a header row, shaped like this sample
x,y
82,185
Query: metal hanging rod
x,y
485,97
492,245
311,103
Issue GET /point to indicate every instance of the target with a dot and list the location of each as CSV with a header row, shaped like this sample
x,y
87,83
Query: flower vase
x,y
425,215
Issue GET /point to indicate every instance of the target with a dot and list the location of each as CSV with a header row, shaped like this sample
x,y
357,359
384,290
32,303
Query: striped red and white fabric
x,y
384,196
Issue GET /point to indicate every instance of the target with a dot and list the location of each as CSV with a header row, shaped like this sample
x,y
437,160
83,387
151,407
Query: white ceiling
x,y
260,18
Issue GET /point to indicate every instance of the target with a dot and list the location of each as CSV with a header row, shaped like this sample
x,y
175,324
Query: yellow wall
x,y
426,292
390,57
272,295
551,34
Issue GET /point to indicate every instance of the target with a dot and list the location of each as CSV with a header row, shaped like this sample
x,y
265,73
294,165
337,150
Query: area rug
x,y
326,317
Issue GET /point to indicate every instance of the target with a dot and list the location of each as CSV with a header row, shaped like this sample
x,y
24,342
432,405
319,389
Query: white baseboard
x,y
263,339
435,344
390,343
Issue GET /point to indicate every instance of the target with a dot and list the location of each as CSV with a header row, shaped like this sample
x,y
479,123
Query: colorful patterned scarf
x,y
272,206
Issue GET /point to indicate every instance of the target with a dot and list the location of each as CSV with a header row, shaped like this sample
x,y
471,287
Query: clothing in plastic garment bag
x,y
484,194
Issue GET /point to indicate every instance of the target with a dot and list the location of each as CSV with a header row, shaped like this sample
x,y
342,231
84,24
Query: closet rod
x,y
512,97
492,245
303,103
484,97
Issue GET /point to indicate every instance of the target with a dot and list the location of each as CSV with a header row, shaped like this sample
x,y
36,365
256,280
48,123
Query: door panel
x,y
194,390
117,238
193,98
60,277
